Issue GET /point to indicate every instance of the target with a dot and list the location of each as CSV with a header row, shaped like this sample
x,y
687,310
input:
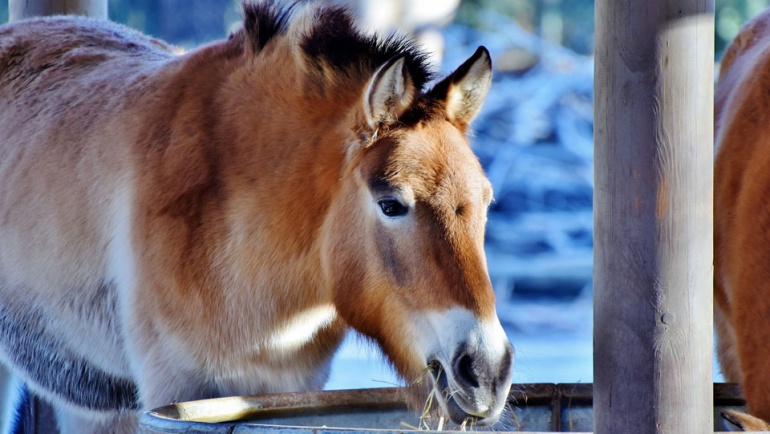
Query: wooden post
x,y
20,9
653,216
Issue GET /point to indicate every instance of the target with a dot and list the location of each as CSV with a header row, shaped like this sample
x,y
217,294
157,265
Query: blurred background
x,y
533,137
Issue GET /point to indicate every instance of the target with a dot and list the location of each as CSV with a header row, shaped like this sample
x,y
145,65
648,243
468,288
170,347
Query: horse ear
x,y
465,90
389,93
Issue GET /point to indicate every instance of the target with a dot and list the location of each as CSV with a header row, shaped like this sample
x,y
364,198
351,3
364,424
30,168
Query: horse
x,y
180,226
742,220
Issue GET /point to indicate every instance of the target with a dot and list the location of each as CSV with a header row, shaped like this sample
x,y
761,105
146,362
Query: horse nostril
x,y
463,368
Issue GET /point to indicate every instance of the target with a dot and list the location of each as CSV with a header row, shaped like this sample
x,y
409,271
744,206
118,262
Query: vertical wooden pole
x,y
20,9
653,216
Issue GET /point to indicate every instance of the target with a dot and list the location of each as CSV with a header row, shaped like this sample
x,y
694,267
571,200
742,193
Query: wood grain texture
x,y
653,216
20,9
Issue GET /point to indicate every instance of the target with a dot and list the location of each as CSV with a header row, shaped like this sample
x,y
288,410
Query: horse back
x,y
110,155
742,147
741,216
61,141
63,162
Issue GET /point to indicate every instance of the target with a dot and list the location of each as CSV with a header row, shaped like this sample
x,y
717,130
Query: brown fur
x,y
742,215
218,197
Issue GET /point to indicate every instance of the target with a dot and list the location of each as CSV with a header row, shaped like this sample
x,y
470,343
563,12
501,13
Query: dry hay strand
x,y
431,413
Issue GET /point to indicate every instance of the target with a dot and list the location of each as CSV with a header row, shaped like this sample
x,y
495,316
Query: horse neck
x,y
289,141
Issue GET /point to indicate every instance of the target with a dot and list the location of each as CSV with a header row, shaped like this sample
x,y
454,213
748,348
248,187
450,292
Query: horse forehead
x,y
438,161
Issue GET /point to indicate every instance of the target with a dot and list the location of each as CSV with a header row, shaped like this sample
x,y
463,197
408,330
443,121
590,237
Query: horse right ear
x,y
464,91
388,94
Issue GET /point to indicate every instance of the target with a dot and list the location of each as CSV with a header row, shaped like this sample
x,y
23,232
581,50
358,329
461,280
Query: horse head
x,y
404,242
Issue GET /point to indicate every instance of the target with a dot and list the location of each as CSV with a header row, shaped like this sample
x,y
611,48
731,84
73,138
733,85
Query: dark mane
x,y
265,19
334,41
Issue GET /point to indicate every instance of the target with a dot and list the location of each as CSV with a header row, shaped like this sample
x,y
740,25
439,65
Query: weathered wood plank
x,y
653,216
20,9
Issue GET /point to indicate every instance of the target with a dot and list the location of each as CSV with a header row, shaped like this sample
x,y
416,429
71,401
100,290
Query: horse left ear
x,y
389,93
465,90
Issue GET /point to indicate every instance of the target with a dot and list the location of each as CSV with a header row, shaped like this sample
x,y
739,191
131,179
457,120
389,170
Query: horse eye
x,y
391,207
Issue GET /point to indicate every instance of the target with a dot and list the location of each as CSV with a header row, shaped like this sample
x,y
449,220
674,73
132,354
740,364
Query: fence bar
x,y
20,9
653,216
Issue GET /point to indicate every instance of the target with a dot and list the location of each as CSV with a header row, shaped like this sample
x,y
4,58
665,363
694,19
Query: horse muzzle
x,y
472,380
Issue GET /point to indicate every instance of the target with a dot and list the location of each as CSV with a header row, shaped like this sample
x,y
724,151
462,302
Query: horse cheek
x,y
344,265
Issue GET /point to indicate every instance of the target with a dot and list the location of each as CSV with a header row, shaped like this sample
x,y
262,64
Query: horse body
x,y
741,219
177,227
